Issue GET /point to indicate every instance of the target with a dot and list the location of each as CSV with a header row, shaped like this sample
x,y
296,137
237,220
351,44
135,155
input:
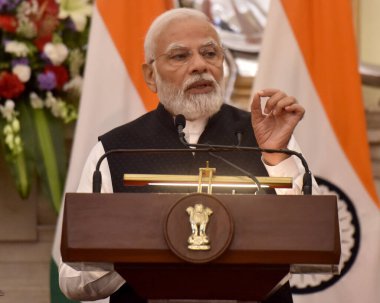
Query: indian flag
x,y
309,51
114,90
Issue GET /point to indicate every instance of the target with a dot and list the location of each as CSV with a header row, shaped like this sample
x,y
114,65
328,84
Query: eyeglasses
x,y
179,56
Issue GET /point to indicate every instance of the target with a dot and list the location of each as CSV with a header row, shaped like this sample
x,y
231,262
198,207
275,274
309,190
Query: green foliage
x,y
41,69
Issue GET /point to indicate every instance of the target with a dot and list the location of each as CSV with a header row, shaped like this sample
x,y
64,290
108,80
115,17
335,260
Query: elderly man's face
x,y
188,68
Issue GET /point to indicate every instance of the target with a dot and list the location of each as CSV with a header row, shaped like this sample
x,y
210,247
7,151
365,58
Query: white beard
x,y
192,106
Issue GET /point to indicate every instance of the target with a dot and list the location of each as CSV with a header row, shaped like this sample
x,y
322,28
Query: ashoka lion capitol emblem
x,y
199,217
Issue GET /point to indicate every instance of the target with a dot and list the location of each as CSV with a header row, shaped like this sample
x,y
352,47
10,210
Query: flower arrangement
x,y
42,55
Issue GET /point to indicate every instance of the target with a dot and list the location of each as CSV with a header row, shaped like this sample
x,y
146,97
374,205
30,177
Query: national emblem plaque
x,y
198,228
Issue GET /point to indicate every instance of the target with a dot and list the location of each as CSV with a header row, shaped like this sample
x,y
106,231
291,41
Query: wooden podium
x,y
255,241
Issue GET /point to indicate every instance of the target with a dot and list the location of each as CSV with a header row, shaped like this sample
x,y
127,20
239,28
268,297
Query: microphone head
x,y
239,131
180,120
240,127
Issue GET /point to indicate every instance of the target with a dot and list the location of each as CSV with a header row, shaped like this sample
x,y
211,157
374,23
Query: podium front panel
x,y
268,229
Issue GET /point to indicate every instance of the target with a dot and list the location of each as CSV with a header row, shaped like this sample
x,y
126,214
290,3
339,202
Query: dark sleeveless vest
x,y
156,129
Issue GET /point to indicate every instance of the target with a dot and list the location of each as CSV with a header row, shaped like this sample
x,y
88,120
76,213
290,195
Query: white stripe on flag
x,y
282,66
109,99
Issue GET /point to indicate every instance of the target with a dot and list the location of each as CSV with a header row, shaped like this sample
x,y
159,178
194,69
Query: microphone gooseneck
x,y
248,174
307,177
180,123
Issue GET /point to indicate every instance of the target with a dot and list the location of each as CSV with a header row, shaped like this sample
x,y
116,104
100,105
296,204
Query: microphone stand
x,y
181,134
208,148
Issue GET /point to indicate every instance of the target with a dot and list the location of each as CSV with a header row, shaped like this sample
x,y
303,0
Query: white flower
x,y
7,130
35,101
57,53
26,28
17,140
58,109
27,8
12,128
12,138
76,60
15,125
50,100
74,84
9,141
8,110
22,71
77,10
19,49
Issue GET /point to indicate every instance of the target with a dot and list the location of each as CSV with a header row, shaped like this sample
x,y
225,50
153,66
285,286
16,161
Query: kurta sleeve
x,y
90,281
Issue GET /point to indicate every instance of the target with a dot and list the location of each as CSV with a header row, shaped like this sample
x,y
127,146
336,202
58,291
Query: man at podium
x,y
184,66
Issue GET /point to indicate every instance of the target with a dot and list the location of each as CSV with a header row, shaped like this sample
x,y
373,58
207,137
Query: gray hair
x,y
161,21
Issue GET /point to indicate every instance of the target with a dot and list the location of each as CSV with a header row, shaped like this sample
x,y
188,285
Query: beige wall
x,y
369,30
367,21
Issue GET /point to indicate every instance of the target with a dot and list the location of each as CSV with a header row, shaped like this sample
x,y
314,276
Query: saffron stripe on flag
x,y
130,43
324,31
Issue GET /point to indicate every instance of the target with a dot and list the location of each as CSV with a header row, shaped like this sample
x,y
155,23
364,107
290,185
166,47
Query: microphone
x,y
239,136
180,124
239,131
307,177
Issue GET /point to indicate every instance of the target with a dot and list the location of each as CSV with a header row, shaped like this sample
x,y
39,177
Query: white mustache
x,y
196,78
